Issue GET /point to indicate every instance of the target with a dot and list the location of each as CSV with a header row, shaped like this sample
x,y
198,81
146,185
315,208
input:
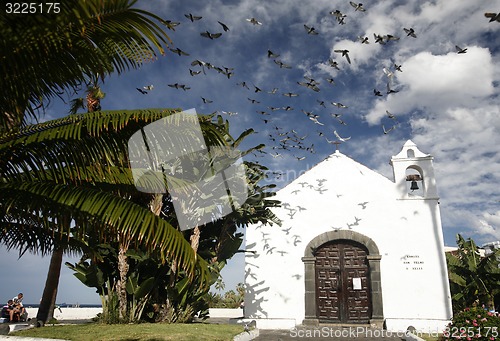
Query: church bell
x,y
414,185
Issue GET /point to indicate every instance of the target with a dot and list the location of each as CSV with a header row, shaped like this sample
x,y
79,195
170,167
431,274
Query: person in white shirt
x,y
18,305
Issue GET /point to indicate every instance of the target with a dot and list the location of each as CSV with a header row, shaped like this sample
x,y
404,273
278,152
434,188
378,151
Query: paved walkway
x,y
328,333
320,333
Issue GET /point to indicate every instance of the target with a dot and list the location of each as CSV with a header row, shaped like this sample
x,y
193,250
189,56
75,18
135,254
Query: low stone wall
x,y
69,313
88,313
226,312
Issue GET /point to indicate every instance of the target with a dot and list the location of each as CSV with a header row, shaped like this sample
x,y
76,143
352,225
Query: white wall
x,y
370,204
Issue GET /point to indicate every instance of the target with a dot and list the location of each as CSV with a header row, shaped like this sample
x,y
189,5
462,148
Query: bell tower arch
x,y
414,173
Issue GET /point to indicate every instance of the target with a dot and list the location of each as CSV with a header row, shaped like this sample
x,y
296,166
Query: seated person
x,y
6,309
10,312
18,306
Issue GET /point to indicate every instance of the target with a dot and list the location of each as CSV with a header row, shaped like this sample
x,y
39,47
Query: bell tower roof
x,y
409,151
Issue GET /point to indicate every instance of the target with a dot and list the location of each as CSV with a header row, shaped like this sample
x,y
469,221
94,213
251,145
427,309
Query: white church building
x,y
354,248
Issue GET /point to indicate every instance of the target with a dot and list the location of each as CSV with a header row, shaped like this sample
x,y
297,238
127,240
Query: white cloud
x,y
489,226
454,79
435,83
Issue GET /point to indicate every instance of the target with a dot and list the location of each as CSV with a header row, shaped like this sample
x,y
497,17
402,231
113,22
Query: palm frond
x,y
43,55
113,212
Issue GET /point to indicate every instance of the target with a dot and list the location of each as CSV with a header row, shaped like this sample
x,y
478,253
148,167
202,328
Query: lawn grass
x,y
136,332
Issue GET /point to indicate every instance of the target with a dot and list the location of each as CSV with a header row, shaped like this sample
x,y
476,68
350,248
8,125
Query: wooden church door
x,y
342,282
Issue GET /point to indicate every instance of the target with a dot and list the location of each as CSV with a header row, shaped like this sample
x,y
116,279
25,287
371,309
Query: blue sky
x,y
446,102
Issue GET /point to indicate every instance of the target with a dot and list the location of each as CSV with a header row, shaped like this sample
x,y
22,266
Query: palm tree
x,y
474,279
215,241
44,55
68,180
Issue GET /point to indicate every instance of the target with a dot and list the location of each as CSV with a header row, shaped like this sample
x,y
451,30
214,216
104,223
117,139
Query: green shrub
x,y
473,324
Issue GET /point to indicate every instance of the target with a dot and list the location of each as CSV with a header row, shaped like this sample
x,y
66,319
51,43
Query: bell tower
x,y
414,173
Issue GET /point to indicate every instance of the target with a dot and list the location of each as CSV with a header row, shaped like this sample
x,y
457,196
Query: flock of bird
x,y
291,141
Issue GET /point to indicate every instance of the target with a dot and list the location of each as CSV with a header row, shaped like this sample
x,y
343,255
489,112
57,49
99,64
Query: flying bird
x,y
343,139
171,24
178,51
379,39
309,85
363,204
388,131
338,105
142,91
282,65
228,71
391,116
315,120
388,72
339,16
254,21
207,101
390,37
493,16
198,62
363,40
377,92
224,26
410,32
357,7
271,54
179,86
191,17
345,53
309,113
290,94
243,84
310,30
333,64
389,90
460,50
229,113
209,35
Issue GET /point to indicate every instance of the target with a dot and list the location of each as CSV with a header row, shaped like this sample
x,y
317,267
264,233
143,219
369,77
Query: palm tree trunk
x,y
195,239
121,284
47,304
